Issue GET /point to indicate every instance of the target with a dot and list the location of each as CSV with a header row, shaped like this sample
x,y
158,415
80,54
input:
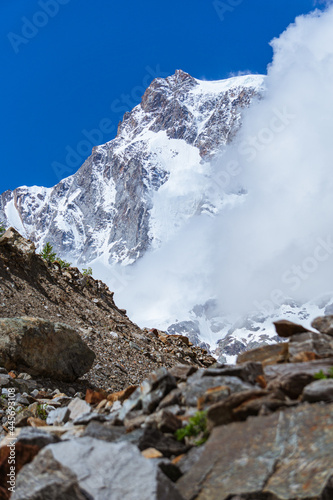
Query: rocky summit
x,y
152,417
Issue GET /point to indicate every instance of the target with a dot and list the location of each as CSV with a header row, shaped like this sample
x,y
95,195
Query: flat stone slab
x,y
102,471
286,455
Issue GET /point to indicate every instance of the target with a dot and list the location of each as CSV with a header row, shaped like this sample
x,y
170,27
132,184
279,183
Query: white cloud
x,y
284,159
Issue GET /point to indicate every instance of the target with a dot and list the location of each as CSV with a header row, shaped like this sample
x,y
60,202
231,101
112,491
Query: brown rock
x,y
222,413
303,357
122,395
324,324
267,355
285,328
12,238
248,371
36,422
93,397
23,454
260,380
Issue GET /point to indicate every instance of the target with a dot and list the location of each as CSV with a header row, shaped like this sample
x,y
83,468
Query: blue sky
x,y
71,68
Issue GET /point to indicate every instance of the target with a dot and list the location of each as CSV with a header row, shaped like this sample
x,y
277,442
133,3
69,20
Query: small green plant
x,y
2,230
87,272
197,426
63,263
321,375
47,253
41,412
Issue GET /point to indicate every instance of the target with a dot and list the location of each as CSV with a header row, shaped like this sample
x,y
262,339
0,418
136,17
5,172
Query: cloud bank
x,y
275,241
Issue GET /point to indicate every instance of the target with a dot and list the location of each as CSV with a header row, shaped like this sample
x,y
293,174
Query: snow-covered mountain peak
x,y
111,208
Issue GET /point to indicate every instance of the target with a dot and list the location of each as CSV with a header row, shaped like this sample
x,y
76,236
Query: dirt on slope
x,y
125,354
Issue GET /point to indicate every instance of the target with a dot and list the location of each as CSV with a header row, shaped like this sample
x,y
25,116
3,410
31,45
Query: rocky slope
x,y
125,354
257,430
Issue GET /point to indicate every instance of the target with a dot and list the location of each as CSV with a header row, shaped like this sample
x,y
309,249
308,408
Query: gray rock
x,y
320,390
280,456
45,478
78,408
43,348
197,386
105,432
310,342
58,417
291,378
149,394
36,437
21,400
248,372
324,324
103,471
167,445
192,457
86,418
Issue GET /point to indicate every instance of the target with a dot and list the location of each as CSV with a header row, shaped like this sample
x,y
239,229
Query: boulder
x,y
78,408
319,390
324,324
284,456
285,328
198,385
291,378
43,348
320,345
243,404
248,371
267,355
49,479
97,469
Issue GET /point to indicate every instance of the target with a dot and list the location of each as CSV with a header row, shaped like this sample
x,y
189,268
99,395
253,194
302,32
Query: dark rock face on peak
x,y
105,208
